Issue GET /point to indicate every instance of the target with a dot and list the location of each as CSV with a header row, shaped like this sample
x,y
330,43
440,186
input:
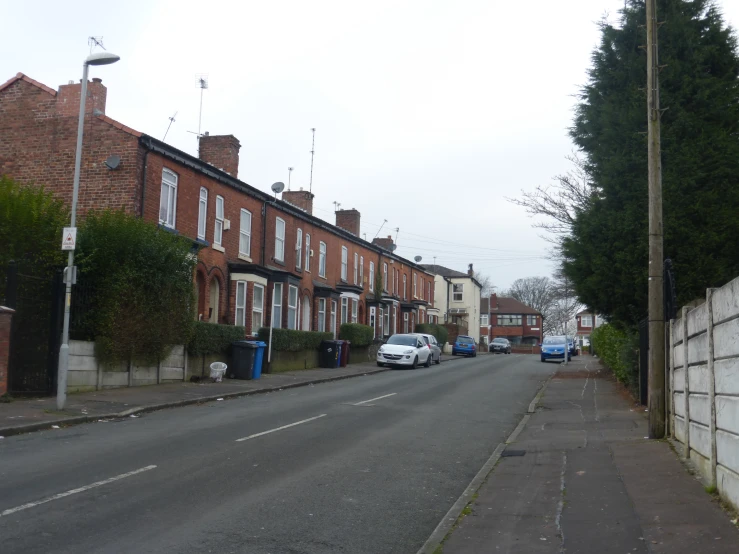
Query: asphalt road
x,y
369,464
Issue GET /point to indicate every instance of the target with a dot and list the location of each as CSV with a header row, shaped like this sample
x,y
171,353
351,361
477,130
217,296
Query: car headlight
x,y
408,352
380,350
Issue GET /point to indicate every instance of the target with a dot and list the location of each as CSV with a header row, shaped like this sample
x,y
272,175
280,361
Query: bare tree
x,y
486,284
553,298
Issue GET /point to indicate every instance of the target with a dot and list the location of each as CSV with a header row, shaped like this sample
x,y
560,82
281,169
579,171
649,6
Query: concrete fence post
x,y
6,318
686,385
671,382
711,385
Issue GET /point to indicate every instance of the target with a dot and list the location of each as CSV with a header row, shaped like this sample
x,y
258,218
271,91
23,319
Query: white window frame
x,y
322,259
361,271
299,249
372,277
344,310
292,309
220,216
510,320
428,291
405,322
405,287
202,212
344,263
245,234
484,319
322,315
373,320
415,285
280,239
589,324
386,323
170,200
333,318
384,277
460,292
356,268
307,252
355,310
276,306
257,309
240,311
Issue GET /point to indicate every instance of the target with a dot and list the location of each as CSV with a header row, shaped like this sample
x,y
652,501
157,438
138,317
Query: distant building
x,y
587,321
457,297
515,321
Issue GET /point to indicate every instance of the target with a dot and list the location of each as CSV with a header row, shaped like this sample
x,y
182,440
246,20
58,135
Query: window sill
x,y
245,258
279,262
218,247
322,277
169,229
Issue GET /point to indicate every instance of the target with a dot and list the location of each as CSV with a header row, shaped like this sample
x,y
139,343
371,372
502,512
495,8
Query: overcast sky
x,y
428,113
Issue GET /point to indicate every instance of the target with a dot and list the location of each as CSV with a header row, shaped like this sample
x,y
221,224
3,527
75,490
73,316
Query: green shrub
x,y
212,338
357,334
139,280
616,348
439,331
289,340
31,223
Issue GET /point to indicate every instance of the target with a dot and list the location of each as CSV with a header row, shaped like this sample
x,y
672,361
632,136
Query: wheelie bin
x,y
339,350
345,353
258,357
241,365
328,353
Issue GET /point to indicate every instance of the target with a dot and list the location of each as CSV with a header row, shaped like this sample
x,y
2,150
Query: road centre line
x,y
75,491
254,436
373,399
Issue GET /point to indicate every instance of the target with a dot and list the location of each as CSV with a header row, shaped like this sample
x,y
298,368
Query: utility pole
x,y
656,249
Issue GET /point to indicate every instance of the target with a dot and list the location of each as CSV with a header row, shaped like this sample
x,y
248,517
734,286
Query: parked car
x,y
404,350
465,346
500,345
433,345
572,346
553,348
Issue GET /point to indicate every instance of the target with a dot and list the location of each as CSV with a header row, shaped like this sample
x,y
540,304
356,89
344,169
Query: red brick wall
x,y
303,199
6,314
38,146
349,220
221,151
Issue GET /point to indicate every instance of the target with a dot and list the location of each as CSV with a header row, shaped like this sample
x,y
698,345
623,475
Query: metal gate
x,y
35,331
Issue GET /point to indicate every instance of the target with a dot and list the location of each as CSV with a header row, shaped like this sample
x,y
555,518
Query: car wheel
x,y
438,360
543,360
474,355
415,363
380,364
428,360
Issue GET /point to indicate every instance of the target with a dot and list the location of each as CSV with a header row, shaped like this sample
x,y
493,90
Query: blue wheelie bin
x,y
258,357
339,347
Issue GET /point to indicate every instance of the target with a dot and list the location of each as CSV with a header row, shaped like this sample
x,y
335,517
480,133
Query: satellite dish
x,y
278,187
113,162
393,247
418,259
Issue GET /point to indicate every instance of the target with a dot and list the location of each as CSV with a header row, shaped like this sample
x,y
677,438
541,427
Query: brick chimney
x,y
303,199
470,272
493,302
348,220
220,151
68,99
387,243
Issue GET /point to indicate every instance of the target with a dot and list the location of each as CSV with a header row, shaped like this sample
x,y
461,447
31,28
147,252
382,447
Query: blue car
x,y
464,346
554,348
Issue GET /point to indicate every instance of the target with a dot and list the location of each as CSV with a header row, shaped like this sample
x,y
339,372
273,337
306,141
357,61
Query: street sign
x,y
69,238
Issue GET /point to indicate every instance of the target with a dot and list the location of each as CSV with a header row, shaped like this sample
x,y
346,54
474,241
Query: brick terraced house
x,y
515,321
257,255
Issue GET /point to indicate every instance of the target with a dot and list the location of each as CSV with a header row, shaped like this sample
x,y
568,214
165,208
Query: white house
x,y
457,297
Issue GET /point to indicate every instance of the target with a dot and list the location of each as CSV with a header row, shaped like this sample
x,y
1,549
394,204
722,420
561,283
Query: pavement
x,y
366,465
24,415
580,477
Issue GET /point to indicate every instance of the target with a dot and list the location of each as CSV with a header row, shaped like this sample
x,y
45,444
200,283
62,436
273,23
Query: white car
x,y
404,350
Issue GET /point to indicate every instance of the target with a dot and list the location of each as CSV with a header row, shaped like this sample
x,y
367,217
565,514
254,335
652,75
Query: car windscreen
x,y
405,340
501,341
554,340
464,340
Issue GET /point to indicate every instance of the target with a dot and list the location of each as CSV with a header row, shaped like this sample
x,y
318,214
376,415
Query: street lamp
x,y
99,58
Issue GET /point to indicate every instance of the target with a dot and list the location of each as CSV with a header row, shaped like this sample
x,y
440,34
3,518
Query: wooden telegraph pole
x,y
656,249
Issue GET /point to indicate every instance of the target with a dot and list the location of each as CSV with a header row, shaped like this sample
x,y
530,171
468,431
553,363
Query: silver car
x,y
433,345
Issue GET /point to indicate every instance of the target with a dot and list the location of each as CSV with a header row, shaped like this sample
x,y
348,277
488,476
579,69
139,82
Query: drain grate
x,y
512,453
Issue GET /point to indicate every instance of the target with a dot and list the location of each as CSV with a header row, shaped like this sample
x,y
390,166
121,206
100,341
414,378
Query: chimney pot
x,y
221,151
303,199
348,220
97,80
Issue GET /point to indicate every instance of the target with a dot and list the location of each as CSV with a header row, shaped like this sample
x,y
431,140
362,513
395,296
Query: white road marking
x,y
373,399
254,436
75,491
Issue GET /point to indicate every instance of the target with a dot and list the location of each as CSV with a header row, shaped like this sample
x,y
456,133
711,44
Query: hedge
x,y
357,334
439,331
212,338
288,340
617,350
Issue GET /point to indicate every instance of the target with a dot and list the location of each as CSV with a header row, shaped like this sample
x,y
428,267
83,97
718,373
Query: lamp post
x,y
100,58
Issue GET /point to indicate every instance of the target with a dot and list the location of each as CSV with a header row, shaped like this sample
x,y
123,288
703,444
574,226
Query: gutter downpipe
x,y
264,265
143,180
